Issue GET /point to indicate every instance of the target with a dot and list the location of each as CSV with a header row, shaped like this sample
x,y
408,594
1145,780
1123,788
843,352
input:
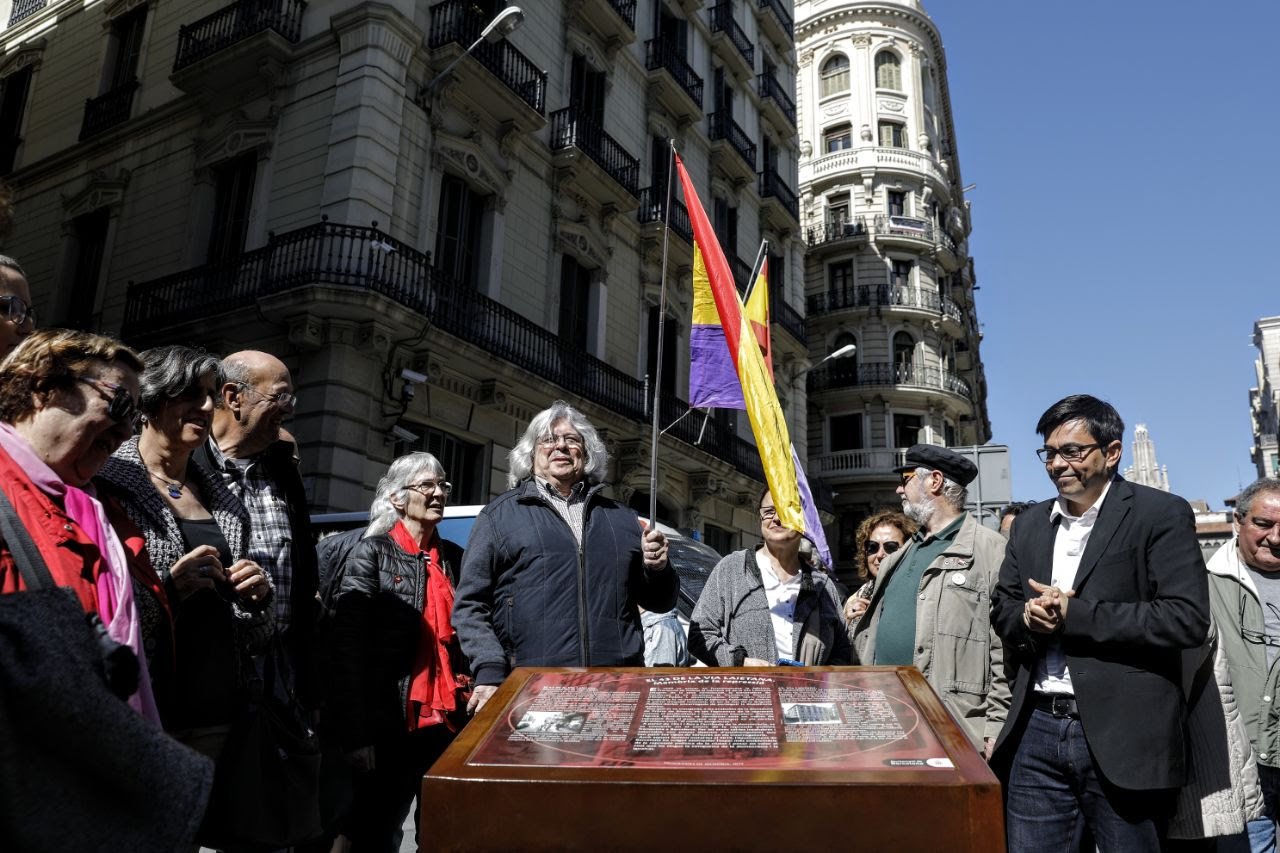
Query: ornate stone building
x,y
1145,470
299,177
1264,398
888,268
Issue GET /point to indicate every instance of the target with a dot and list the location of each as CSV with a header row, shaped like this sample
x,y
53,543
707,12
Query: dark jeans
x,y
383,795
1056,791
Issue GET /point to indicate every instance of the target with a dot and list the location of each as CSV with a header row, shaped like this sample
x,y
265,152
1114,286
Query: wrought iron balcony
x,y
884,296
660,55
741,271
724,127
783,18
368,259
23,9
570,128
652,206
722,21
787,317
626,10
460,22
108,109
770,88
886,374
772,186
234,23
830,232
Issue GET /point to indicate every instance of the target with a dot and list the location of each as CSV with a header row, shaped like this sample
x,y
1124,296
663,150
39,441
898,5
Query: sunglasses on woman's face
x,y
121,407
871,548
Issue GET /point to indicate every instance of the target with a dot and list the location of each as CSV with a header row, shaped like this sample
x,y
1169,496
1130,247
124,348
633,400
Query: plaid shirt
x,y
570,508
271,534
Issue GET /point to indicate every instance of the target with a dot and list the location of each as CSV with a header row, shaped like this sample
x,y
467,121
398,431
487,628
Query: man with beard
x,y
257,465
931,608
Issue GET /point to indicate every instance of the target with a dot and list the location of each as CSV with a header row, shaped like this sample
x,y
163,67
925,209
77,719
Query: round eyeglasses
x,y
871,548
428,487
16,310
284,398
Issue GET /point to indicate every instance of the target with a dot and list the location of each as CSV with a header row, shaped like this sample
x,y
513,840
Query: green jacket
x,y
1231,589
957,650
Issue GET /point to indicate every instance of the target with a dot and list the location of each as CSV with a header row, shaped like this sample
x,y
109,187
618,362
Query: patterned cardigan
x,y
125,477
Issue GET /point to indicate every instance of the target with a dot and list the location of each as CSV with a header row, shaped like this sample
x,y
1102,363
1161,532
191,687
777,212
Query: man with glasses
x,y
1244,596
1100,594
931,607
17,317
555,571
256,463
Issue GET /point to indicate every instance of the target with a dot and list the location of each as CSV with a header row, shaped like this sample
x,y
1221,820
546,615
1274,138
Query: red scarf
x,y
433,690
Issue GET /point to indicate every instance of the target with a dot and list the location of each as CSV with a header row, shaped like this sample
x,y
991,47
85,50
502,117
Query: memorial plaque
x,y
720,759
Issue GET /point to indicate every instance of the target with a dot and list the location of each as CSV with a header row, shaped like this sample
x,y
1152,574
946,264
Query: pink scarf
x,y
115,589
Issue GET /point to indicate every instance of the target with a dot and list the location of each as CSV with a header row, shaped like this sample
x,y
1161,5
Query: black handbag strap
x,y
25,554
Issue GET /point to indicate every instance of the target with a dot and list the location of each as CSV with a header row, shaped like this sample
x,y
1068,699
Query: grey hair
x,y
170,370
235,370
383,514
1244,501
952,492
520,459
6,261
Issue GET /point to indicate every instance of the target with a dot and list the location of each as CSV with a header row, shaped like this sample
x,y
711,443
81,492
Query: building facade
x,y
1145,470
1264,398
302,178
887,268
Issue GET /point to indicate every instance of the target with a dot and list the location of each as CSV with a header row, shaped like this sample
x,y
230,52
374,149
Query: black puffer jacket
x,y
528,596
377,629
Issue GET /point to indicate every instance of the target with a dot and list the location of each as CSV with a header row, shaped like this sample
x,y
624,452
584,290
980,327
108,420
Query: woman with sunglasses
x,y
769,605
879,535
210,609
17,317
397,696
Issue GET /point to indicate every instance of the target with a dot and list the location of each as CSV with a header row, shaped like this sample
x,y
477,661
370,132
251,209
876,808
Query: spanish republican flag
x,y
713,287
713,378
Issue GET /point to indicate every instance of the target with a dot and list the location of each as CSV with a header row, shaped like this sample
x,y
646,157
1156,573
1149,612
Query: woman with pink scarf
x,y
67,401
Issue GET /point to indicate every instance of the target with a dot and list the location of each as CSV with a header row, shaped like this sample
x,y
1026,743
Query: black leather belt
x,y
1058,704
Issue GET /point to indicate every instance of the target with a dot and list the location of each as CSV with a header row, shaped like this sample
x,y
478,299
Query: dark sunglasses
x,y
872,547
121,407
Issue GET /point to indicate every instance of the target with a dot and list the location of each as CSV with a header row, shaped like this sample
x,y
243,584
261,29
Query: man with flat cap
x,y
931,608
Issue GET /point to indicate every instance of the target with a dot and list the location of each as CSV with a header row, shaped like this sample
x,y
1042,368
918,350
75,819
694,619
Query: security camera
x,y
404,434
413,376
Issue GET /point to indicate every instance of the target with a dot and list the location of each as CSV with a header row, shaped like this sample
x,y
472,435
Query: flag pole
x,y
755,270
662,323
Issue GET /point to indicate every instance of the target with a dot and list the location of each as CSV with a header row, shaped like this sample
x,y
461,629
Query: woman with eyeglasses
x,y
209,611
879,535
17,317
398,676
769,605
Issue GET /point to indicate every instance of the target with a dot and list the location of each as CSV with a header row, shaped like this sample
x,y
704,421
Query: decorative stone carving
x,y
491,394
577,239
865,133
862,40
806,148
100,191
837,109
116,8
925,143
470,158
29,54
306,332
239,136
891,105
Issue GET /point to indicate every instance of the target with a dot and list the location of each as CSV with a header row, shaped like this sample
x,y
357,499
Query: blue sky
x,y
1126,165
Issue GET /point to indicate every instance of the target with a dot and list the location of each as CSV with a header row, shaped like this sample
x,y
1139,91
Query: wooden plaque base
x,y
713,759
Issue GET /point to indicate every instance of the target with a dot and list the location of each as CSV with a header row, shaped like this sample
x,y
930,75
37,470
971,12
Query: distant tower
x,y
1145,470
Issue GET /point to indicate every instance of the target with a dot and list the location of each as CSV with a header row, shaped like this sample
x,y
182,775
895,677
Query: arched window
x,y
835,75
904,355
888,70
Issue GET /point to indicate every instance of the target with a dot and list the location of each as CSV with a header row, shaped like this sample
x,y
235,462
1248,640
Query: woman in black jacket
x,y
397,668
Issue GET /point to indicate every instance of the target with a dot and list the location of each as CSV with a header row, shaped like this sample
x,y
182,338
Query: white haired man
x,y
554,571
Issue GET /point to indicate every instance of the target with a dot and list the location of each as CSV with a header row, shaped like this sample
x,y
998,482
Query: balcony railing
x,y
837,230
869,295
658,54
367,259
788,317
882,374
771,186
724,127
570,128
626,10
722,21
234,23
905,226
653,203
460,22
880,461
770,87
775,6
108,110
23,9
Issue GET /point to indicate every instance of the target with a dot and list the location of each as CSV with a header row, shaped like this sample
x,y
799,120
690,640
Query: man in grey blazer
x,y
1100,592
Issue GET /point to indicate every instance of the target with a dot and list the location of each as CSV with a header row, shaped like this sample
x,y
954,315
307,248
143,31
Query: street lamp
x,y
499,28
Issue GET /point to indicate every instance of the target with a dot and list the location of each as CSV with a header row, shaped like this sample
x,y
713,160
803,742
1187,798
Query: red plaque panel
x,y
717,758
